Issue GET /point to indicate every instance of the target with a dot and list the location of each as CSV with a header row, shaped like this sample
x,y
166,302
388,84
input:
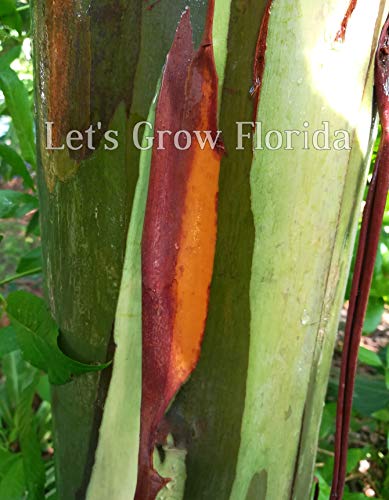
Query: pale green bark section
x,y
334,296
221,24
304,203
115,471
173,467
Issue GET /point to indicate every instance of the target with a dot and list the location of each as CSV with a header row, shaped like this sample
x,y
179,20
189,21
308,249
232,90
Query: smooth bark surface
x,y
286,226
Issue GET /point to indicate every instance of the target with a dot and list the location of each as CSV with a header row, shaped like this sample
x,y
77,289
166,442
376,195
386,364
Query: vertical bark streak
x,y
341,34
260,58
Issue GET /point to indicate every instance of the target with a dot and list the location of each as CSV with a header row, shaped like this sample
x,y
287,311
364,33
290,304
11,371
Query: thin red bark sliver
x,y
260,58
341,34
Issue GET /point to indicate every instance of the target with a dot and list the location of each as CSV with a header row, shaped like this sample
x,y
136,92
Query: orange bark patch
x,y
194,264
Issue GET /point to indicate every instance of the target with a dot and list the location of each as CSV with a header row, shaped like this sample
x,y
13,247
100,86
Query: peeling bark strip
x,y
179,238
69,68
364,267
260,58
59,51
341,34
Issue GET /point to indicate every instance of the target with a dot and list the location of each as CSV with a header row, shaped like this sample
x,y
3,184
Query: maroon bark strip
x,y
260,58
364,268
341,34
156,247
178,108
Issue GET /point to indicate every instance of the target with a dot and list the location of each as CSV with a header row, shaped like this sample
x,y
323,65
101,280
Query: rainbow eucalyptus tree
x,y
212,269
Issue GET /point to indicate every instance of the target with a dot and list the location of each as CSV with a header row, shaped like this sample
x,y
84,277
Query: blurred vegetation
x,y
368,459
26,448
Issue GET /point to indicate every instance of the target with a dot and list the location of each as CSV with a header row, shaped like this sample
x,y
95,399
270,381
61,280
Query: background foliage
x,y
26,449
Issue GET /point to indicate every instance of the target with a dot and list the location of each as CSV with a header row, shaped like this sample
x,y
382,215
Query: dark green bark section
x,y
208,410
84,225
84,220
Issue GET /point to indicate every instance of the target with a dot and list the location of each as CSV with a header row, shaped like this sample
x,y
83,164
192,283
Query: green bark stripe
x,y
304,204
116,464
221,22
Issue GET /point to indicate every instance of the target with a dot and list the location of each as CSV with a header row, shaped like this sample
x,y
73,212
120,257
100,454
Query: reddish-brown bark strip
x,y
179,237
59,16
80,50
260,58
341,34
364,268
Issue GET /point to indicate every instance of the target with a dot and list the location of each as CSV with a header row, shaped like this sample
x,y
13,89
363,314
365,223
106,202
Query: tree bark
x,y
286,225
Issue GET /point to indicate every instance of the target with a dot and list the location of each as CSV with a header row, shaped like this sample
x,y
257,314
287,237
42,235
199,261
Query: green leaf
x,y
8,56
6,460
34,469
369,357
370,395
32,260
9,16
325,490
328,420
382,415
354,456
7,7
13,484
43,388
13,21
354,496
375,310
8,342
18,375
37,336
18,166
16,203
18,104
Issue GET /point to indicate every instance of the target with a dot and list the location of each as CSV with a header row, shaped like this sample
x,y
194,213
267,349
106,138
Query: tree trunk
x,y
249,416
